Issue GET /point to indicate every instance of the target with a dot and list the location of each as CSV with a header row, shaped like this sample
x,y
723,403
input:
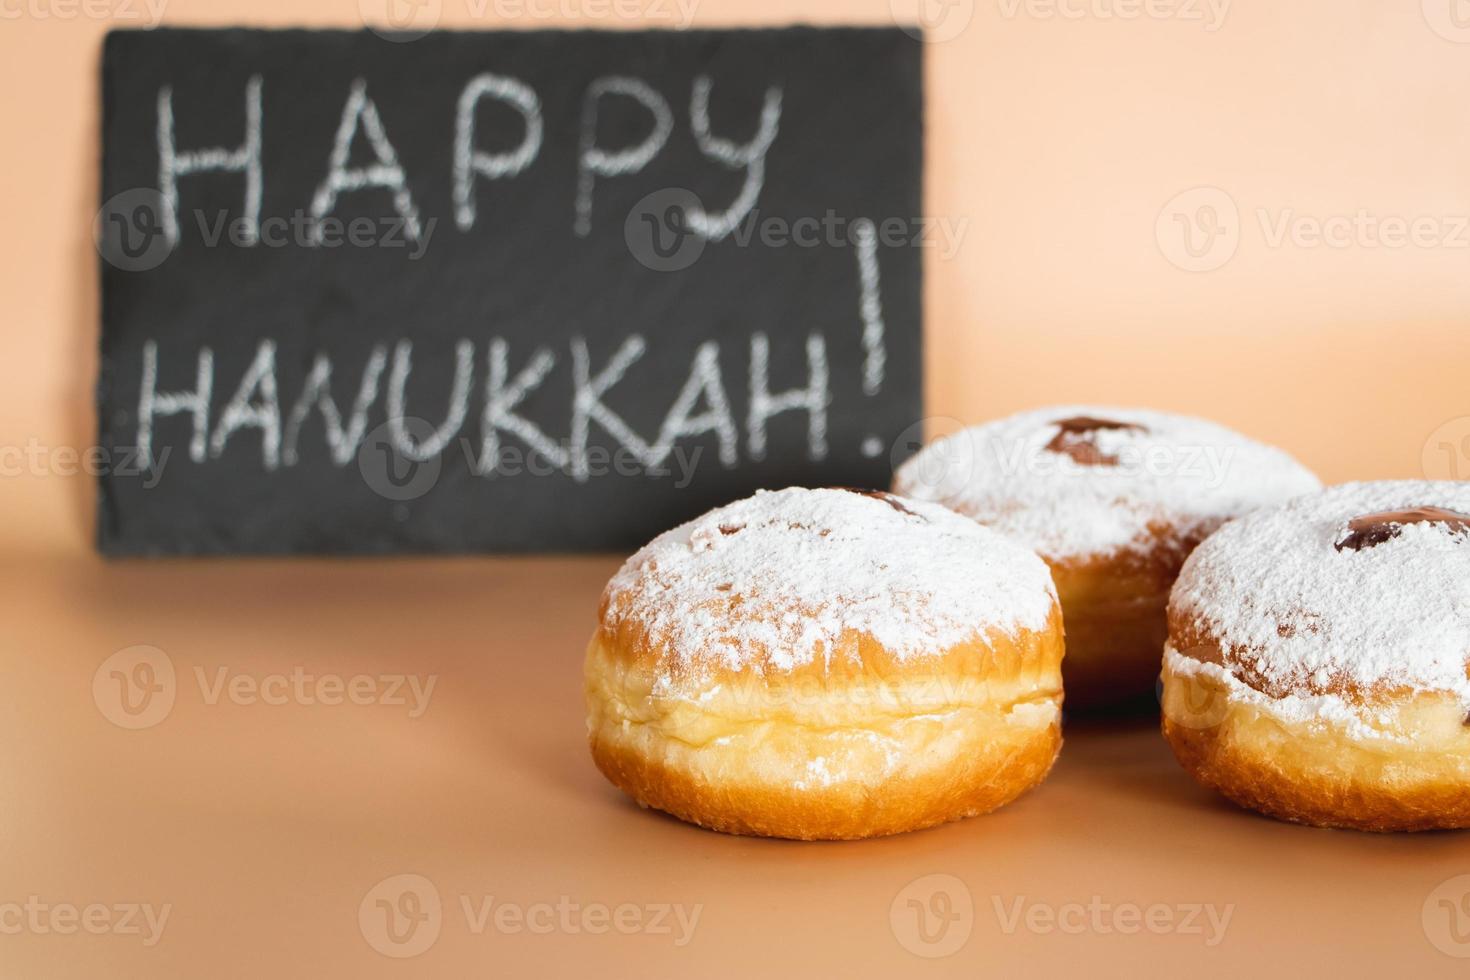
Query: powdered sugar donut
x,y
1114,499
1318,666
826,664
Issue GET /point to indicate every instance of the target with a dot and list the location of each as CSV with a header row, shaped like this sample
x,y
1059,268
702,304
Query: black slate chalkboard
x,y
515,291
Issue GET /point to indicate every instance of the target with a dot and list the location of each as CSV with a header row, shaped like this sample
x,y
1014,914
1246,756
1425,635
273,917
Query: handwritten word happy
x,y
471,163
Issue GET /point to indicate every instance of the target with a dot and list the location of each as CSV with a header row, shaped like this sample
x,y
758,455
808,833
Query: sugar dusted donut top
x,y
777,581
1081,481
1347,588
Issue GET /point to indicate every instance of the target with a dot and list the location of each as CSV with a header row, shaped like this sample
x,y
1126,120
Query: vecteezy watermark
x,y
400,20
1206,465
390,471
659,233
1199,230
131,231
403,915
662,236
933,20
1209,14
1446,917
1100,917
304,230
1362,229
946,465
948,459
799,693
409,20
678,14
1450,19
401,461
36,458
569,916
144,13
1195,700
933,916
302,687
137,688
1446,453
37,917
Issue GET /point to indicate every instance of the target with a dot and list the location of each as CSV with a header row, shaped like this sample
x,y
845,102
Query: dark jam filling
x,y
887,498
1077,437
1374,529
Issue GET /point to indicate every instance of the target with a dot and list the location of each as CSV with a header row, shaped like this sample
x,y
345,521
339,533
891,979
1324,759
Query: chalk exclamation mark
x,y
870,307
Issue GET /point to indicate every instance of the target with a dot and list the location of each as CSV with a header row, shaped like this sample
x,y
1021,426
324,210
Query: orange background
x,y
1061,143
1055,143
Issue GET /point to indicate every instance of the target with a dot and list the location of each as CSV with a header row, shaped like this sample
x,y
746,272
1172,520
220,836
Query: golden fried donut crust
x,y
1373,759
867,745
1318,658
1114,609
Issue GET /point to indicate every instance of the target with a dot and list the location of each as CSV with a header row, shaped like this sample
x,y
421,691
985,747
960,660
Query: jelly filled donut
x,y
1114,499
1318,667
826,664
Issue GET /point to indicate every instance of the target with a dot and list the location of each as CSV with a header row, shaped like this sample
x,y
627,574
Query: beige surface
x,y
1054,142
265,826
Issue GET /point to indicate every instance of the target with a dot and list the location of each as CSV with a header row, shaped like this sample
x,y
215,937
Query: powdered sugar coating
x,y
1358,720
778,580
1174,476
1301,614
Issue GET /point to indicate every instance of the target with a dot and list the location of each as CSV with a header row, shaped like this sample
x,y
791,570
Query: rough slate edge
x,y
108,548
105,516
104,511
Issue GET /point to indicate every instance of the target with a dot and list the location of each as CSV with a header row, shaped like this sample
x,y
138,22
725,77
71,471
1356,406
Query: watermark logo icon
x,y
130,231
401,916
1446,917
1450,19
933,916
135,687
659,232
400,20
1446,454
1196,702
389,470
1199,229
1194,705
945,467
932,20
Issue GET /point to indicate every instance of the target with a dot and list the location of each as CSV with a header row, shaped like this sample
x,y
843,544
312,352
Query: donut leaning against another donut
x,y
826,664
1318,666
1114,499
